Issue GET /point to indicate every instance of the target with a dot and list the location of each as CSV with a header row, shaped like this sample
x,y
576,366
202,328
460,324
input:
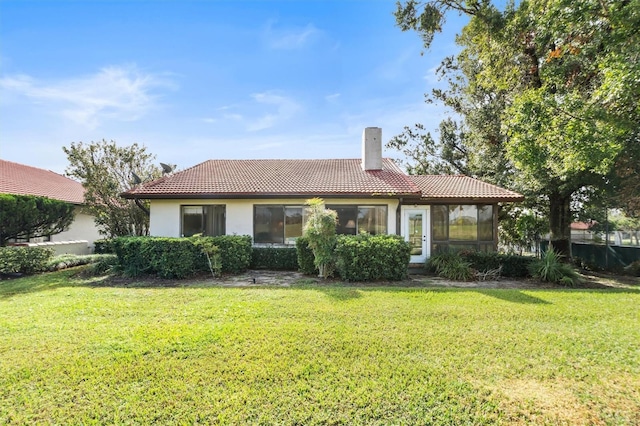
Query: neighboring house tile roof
x,y
452,187
255,178
20,179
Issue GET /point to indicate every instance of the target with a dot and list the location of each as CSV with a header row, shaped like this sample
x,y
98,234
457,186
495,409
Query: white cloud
x,y
285,108
332,98
120,93
291,38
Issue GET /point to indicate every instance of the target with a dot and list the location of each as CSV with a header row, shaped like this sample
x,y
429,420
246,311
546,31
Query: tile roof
x,y
252,178
447,187
26,180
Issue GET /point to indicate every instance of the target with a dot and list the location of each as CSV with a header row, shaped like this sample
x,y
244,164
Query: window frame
x,y
356,218
204,220
288,241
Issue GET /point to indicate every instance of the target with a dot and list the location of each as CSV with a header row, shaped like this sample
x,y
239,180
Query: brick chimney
x,y
372,148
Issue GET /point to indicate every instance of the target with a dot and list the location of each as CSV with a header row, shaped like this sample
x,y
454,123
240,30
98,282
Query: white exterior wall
x,y
165,214
82,228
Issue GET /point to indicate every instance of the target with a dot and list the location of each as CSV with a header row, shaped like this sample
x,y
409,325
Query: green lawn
x,y
73,351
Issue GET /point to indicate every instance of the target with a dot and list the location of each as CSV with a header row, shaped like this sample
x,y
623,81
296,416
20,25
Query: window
x,y
468,227
353,220
205,220
277,224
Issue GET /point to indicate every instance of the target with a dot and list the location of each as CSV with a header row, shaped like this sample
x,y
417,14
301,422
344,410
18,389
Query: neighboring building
x,y
265,199
20,179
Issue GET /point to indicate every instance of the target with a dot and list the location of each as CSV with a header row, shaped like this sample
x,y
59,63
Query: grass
x,y
77,351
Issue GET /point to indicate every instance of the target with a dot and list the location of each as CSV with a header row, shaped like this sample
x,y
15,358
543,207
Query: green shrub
x,y
451,265
633,269
552,269
105,264
235,252
103,246
513,266
162,256
64,261
24,260
172,257
372,257
212,259
305,256
274,258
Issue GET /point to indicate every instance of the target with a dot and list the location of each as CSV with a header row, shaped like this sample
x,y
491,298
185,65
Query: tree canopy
x,y
546,93
27,216
106,170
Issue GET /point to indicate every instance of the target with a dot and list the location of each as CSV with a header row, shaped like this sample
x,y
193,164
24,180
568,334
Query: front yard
x,y
80,350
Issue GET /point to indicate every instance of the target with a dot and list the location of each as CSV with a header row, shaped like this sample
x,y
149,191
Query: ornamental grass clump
x,y
451,265
551,268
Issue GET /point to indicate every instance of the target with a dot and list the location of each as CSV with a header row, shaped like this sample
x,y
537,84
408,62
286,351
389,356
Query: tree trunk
x,y
560,223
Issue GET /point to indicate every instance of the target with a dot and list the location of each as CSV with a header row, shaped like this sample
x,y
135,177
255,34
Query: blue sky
x,y
209,79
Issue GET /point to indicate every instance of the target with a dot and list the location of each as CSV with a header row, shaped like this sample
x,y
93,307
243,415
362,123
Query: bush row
x,y
372,257
275,258
513,266
181,257
24,260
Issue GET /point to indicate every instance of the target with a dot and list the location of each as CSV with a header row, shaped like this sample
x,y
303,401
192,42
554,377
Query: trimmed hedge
x,y
235,252
305,257
372,257
275,258
103,246
513,266
165,257
181,257
24,260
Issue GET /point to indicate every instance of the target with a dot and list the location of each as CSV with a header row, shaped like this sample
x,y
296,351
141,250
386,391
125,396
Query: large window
x,y
205,220
353,220
463,227
277,223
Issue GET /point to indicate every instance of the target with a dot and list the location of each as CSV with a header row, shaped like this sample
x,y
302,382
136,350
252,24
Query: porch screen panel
x,y
485,223
463,223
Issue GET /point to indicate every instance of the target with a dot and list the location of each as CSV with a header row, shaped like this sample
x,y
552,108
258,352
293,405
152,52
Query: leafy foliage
x,y
106,170
450,264
306,260
24,260
372,257
551,268
320,231
547,94
235,252
511,265
30,216
274,258
65,261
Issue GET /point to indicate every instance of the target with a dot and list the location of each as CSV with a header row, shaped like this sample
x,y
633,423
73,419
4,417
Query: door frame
x,y
426,228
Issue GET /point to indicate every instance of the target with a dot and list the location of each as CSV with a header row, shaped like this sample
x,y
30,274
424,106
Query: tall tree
x,y
550,86
27,216
106,170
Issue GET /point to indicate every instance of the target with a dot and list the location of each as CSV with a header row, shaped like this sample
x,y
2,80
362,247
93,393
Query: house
x,y
265,199
20,179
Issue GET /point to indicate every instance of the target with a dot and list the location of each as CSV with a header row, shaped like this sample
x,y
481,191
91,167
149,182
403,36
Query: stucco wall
x,y
165,214
82,228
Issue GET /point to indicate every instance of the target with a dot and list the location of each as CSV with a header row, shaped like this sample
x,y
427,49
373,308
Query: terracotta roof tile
x,y
240,178
460,186
26,180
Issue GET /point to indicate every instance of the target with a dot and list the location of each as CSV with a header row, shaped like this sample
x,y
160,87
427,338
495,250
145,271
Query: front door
x,y
416,233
